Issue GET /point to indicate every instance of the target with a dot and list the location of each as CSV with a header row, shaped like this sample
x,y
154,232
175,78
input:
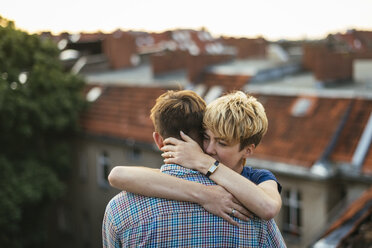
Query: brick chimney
x,y
120,49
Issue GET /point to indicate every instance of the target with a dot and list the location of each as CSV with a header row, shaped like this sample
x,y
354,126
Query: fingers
x,y
243,211
171,141
238,206
169,158
170,161
168,148
185,137
229,219
240,216
167,155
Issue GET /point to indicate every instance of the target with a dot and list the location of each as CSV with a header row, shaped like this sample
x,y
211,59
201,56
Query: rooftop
x,y
353,228
140,75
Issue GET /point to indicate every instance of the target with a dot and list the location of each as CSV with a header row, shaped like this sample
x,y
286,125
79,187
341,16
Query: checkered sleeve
x,y
109,234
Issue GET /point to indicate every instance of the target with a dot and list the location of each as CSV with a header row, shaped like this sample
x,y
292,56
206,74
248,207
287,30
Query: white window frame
x,y
292,225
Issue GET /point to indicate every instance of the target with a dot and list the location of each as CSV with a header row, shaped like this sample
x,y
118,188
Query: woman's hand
x,y
184,152
216,200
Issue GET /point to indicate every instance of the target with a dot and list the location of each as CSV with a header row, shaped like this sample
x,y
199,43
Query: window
x,y
135,154
292,219
103,169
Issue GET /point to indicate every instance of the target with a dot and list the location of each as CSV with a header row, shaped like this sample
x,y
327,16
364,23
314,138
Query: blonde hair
x,y
236,118
176,111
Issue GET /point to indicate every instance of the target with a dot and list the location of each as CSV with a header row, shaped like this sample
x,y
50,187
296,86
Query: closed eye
x,y
222,143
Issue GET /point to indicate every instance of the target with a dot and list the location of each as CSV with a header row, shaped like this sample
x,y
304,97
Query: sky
x,y
272,19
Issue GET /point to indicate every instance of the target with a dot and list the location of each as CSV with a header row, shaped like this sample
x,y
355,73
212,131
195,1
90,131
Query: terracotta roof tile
x,y
352,132
299,140
122,112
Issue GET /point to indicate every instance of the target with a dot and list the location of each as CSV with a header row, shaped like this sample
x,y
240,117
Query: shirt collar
x,y
176,169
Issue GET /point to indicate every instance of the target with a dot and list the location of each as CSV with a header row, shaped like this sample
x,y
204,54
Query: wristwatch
x,y
213,168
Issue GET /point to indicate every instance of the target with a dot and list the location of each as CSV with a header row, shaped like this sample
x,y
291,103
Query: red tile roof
x,y
182,39
299,140
302,139
357,41
352,132
122,112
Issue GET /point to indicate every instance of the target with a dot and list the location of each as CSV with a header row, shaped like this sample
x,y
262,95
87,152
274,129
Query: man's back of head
x,y
176,111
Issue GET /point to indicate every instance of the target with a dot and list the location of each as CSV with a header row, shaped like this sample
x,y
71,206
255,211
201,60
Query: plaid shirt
x,y
136,221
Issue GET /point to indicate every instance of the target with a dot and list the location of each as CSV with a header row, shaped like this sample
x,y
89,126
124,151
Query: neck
x,y
240,166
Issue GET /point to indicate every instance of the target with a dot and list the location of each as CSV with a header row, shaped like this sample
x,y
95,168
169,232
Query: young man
x,y
132,220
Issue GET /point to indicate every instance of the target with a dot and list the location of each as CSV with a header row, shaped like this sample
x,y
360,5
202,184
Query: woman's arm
x,y
153,183
263,200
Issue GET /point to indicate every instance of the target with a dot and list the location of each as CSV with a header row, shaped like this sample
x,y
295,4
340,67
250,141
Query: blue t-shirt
x,y
258,176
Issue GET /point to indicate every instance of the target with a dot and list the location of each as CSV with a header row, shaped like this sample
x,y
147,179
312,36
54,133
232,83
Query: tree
x,y
39,110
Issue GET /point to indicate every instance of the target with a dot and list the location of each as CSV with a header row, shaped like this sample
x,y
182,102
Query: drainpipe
x,y
322,167
364,143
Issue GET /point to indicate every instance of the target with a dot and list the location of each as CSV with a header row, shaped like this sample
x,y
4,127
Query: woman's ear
x,y
248,150
158,139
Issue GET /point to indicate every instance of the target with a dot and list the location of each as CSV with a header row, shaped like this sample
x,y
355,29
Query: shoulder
x,y
124,209
258,176
252,173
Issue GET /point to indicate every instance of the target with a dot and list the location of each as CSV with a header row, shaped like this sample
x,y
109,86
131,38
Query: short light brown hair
x,y
236,118
176,111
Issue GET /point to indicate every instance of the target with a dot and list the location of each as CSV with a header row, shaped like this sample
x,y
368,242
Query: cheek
x,y
205,144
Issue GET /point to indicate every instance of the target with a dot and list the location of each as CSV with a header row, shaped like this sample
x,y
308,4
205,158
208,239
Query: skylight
x,y
302,106
193,49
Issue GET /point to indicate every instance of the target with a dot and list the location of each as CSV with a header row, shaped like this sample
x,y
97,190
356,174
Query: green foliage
x,y
39,111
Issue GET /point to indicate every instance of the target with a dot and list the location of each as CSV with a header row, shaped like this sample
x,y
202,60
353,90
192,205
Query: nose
x,y
209,147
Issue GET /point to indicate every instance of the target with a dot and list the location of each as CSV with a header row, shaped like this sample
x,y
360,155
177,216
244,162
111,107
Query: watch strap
x,y
213,168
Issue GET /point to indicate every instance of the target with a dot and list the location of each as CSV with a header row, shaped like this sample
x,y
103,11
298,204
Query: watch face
x,y
213,168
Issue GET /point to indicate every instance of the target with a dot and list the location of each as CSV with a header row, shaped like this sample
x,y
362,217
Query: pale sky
x,y
272,19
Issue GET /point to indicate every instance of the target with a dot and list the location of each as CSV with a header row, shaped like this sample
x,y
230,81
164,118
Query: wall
x,y
168,61
86,199
362,70
314,208
197,64
248,48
